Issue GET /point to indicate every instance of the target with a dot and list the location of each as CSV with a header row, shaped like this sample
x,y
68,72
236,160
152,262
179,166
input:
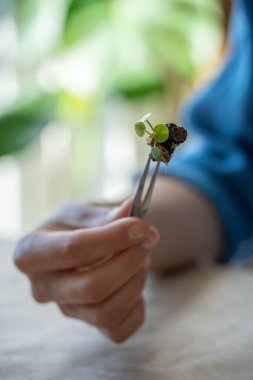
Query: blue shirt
x,y
220,163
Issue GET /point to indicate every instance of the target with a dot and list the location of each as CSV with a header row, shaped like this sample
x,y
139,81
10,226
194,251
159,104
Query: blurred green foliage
x,y
22,125
139,48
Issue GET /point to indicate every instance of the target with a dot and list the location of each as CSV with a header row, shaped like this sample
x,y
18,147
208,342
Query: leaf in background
x,y
172,47
134,87
83,18
21,126
150,44
24,11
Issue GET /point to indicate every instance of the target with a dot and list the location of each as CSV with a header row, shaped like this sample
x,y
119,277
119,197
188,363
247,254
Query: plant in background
x,y
163,138
73,55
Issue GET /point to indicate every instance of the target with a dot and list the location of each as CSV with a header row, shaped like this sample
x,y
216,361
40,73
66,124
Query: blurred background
x,y
74,77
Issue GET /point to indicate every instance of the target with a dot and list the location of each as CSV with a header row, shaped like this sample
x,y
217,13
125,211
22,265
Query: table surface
x,y
199,327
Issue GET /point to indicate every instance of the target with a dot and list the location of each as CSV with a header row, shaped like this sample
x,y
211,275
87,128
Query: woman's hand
x,y
93,262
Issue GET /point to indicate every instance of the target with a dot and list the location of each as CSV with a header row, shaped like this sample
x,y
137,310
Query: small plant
x,y
163,138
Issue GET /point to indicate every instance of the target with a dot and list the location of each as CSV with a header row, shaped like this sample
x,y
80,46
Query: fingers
x,y
109,314
75,215
92,286
129,326
49,251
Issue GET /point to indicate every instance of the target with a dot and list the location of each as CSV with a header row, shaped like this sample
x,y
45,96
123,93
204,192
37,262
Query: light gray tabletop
x,y
199,327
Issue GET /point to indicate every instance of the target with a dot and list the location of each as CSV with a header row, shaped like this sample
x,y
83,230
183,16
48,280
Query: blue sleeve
x,y
220,119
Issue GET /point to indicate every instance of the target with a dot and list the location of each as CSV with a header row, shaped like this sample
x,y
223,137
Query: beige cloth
x,y
199,327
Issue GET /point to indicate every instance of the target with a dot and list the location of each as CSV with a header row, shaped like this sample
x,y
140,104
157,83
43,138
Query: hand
x,y
93,262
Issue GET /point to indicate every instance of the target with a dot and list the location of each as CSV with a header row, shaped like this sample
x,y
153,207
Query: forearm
x,y
189,226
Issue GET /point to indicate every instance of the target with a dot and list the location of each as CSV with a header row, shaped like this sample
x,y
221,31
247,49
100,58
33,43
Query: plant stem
x,y
150,134
151,126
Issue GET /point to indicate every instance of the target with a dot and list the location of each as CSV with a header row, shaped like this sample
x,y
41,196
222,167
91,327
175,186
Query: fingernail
x,y
152,238
136,232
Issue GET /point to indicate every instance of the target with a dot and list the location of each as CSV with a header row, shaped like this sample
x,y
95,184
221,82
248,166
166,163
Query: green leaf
x,y
172,46
84,17
22,125
156,153
134,87
161,133
139,128
25,11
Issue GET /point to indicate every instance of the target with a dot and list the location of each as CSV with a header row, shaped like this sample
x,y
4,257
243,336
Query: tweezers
x,y
140,207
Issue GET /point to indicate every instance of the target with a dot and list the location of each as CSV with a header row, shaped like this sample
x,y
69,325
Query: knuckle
x,y
70,248
104,318
21,252
111,317
65,310
110,334
119,335
39,293
117,338
91,291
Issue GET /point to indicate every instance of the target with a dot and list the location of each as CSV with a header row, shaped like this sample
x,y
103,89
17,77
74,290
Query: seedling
x,y
163,138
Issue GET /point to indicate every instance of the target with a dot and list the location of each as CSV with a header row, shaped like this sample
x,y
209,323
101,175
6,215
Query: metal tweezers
x,y
140,207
